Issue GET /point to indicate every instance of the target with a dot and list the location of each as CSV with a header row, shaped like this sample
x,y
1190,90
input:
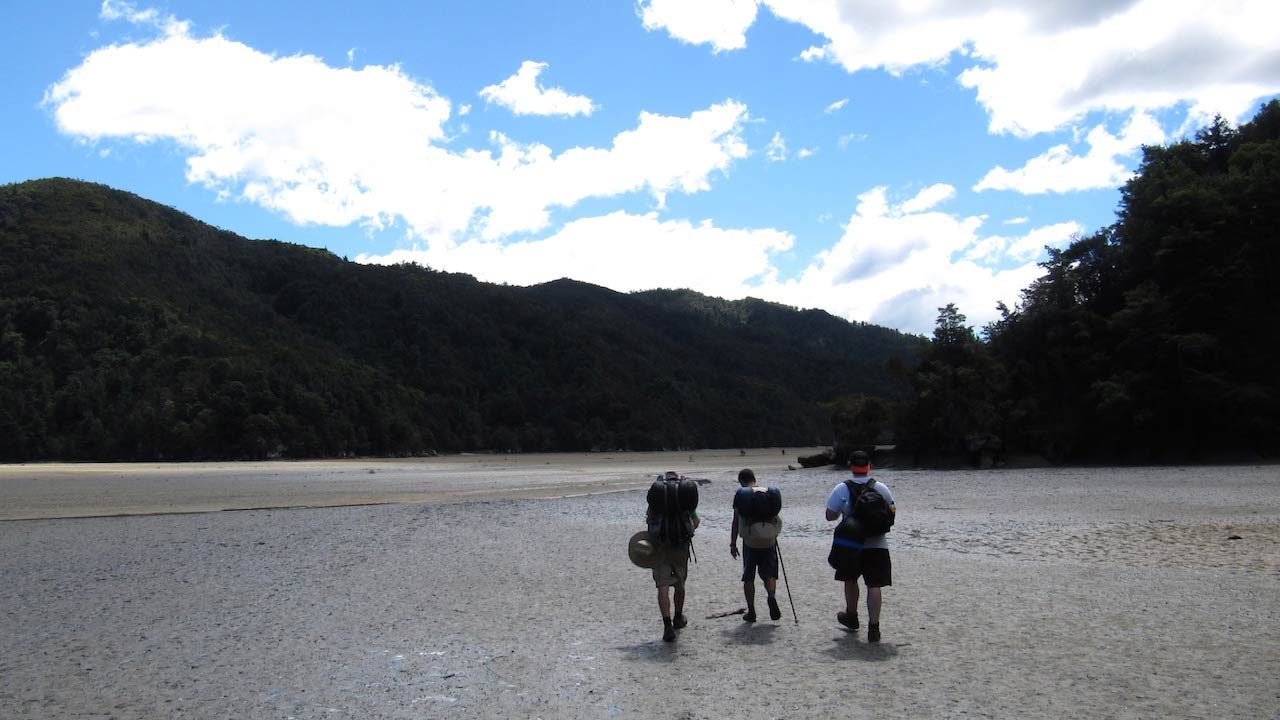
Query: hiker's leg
x,y
873,605
771,585
851,596
680,599
749,591
664,601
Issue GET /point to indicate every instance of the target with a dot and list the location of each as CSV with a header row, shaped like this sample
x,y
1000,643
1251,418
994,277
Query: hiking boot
x,y
873,632
668,632
849,620
775,613
680,621
750,616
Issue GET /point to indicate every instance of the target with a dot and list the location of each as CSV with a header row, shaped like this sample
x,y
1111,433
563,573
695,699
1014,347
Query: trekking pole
x,y
777,546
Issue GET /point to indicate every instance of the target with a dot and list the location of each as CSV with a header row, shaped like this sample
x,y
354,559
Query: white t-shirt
x,y
839,502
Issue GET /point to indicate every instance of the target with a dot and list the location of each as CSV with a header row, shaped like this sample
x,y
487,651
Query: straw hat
x,y
641,551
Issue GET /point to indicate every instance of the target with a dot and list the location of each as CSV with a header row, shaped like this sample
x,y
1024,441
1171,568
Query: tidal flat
x,y
491,586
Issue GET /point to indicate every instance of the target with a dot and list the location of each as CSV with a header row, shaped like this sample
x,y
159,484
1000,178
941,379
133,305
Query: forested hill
x,y
1152,340
129,330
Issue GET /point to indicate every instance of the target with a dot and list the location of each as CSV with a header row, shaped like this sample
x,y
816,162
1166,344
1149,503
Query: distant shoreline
x,y
34,491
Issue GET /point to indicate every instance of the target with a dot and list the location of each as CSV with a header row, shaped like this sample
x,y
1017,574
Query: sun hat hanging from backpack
x,y
641,551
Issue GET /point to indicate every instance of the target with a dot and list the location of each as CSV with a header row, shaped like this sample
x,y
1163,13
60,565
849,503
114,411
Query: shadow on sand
x,y
849,646
652,651
749,634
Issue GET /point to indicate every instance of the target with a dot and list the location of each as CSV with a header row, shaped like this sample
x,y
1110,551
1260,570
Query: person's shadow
x,y
849,646
749,633
652,651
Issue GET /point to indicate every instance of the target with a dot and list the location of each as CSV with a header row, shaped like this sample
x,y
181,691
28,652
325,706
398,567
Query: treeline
x,y
130,331
1152,340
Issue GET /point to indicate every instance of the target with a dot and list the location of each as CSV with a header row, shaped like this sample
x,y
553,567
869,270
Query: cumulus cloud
x,y
1058,170
522,95
897,263
127,11
622,251
929,197
722,24
338,146
837,105
1037,66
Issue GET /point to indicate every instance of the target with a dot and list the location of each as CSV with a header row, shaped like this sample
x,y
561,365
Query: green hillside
x,y
130,331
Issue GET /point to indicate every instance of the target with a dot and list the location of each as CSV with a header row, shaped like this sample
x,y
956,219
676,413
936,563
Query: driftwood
x,y
819,460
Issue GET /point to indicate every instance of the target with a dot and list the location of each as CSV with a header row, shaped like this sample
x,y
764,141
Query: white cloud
x,y
896,266
929,197
1017,221
722,24
1058,170
837,105
338,146
1022,249
776,150
521,94
622,251
127,11
1037,66
803,153
844,140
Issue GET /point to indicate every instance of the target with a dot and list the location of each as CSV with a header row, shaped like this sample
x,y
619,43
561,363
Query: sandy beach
x,y
483,586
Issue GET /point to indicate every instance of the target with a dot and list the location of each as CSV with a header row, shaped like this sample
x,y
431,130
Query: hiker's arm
x,y
834,503
733,535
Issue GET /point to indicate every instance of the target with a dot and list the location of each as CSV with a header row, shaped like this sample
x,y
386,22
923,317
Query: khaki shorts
x,y
672,567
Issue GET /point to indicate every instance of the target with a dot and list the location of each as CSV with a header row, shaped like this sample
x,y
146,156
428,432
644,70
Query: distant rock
x,y
819,460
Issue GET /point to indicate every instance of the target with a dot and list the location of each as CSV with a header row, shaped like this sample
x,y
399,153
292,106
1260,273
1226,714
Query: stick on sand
x,y
727,613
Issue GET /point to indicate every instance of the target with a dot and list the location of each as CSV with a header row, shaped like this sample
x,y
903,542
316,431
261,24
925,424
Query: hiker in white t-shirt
x,y
868,558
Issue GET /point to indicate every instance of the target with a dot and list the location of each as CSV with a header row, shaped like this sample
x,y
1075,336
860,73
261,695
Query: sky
x,y
875,160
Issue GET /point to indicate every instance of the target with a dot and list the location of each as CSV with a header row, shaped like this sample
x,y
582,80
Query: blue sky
x,y
875,160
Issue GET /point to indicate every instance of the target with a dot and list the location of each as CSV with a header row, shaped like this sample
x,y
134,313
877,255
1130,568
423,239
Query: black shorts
x,y
872,564
766,559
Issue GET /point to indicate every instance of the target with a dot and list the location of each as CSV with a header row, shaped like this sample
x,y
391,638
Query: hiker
x,y
671,518
756,515
867,556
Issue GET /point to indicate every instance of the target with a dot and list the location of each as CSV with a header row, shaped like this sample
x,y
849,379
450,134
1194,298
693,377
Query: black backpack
x,y
671,504
871,513
762,506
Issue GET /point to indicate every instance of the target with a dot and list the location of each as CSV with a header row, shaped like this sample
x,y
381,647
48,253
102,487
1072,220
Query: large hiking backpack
x,y
759,509
671,504
871,514
762,505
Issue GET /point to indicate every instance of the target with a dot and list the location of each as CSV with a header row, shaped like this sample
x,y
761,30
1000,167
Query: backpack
x,y
764,504
671,504
760,512
871,514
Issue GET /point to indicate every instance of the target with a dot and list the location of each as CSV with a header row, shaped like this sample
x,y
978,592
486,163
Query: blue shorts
x,y
764,559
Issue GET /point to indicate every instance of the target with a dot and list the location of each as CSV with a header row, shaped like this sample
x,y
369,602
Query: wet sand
x,y
1113,593
63,490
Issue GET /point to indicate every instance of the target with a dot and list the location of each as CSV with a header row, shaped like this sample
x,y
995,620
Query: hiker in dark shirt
x,y
759,544
671,569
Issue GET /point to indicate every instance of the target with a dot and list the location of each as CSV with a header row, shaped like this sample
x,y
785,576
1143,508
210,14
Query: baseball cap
x,y
860,462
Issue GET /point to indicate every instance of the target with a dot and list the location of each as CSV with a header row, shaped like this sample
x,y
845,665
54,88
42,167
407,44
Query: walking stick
x,y
777,547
